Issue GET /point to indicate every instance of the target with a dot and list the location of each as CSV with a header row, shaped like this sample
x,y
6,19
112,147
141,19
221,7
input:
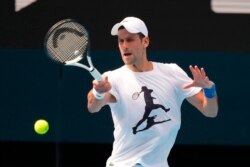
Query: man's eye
x,y
129,40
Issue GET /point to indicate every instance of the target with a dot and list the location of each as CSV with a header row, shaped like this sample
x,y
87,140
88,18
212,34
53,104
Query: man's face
x,y
132,47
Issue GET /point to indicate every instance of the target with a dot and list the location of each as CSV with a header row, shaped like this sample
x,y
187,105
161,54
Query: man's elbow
x,y
92,109
211,113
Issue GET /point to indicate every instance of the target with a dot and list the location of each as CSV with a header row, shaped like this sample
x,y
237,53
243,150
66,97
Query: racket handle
x,y
96,74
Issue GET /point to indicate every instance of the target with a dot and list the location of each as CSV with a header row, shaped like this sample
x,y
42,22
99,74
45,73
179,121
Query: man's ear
x,y
146,41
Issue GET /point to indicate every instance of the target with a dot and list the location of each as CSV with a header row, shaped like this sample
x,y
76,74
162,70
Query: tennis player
x,y
145,128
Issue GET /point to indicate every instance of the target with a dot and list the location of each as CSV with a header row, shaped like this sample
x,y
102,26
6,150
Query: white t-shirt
x,y
145,128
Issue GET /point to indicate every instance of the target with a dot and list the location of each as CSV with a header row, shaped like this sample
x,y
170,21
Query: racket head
x,y
67,42
135,95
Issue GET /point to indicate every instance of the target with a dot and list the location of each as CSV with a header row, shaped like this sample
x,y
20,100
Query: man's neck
x,y
146,66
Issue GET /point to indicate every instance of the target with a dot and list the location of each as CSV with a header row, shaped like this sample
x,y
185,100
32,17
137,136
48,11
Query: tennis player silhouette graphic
x,y
150,106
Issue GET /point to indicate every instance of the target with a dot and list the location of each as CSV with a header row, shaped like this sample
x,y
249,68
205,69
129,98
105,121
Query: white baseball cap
x,y
132,25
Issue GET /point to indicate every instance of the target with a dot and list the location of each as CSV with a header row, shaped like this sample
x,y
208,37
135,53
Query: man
x,y
145,127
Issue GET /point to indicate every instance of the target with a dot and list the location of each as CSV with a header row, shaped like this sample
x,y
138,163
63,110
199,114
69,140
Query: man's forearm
x,y
94,104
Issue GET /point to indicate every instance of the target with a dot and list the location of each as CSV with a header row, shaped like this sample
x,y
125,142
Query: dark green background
x,y
33,87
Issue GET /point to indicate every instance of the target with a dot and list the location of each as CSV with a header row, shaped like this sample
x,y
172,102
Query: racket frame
x,y
136,95
75,62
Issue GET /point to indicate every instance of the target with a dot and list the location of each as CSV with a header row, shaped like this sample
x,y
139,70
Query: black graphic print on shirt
x,y
150,106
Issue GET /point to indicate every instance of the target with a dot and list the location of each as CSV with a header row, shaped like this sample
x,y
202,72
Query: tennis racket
x,y
67,42
135,95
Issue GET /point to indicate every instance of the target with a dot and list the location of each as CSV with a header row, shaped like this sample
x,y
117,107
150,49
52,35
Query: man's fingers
x,y
105,78
198,71
192,70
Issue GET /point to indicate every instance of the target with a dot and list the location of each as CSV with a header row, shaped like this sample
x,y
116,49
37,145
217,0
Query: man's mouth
x,y
127,54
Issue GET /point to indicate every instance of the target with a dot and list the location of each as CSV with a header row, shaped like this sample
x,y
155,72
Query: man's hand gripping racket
x,y
67,42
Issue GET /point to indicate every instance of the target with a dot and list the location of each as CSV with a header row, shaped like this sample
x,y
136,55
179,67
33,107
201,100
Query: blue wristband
x,y
210,92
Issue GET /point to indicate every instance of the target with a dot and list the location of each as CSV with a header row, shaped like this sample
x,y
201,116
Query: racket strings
x,y
67,42
135,95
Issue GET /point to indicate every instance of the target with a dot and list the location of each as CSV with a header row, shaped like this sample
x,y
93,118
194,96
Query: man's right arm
x,y
99,95
94,104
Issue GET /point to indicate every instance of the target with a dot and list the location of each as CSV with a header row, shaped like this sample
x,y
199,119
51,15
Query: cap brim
x,y
114,30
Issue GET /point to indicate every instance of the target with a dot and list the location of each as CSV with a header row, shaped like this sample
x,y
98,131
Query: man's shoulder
x,y
165,65
116,71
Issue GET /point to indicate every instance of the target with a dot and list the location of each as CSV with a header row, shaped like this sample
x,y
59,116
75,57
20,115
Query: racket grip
x,y
96,74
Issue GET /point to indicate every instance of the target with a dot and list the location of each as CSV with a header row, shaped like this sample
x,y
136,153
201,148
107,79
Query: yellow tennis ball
x,y
41,126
